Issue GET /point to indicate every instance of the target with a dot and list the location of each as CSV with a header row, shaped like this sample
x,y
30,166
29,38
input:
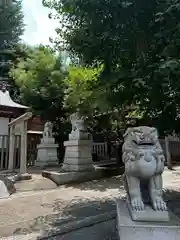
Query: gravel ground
x,y
31,211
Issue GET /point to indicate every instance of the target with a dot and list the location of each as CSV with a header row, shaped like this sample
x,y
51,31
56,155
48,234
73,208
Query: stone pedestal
x,y
78,156
47,153
137,230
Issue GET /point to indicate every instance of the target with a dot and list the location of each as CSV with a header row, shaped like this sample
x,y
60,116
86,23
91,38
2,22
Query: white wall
x,y
17,131
4,126
3,129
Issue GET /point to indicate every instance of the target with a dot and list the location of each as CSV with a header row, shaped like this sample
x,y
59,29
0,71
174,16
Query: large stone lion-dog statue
x,y
79,129
144,161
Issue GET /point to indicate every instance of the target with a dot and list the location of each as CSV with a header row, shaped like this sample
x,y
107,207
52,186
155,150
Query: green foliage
x,y
138,44
22,51
11,24
82,90
40,79
116,34
160,97
105,30
11,30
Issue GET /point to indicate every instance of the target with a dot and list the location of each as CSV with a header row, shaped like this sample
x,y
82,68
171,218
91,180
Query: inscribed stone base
x,y
128,229
78,156
47,155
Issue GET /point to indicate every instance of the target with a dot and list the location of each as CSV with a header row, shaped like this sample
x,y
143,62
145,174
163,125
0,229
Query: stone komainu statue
x,y
144,162
79,130
48,129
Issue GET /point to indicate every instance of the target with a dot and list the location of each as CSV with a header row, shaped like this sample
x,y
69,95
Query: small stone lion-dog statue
x,y
48,129
144,162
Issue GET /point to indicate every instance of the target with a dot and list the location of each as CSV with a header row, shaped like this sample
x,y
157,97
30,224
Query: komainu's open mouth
x,y
143,143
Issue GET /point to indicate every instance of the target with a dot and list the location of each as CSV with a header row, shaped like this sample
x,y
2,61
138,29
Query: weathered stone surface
x,y
148,214
78,150
9,185
47,155
144,163
47,133
79,130
22,177
91,225
3,190
61,178
71,177
138,230
47,149
78,157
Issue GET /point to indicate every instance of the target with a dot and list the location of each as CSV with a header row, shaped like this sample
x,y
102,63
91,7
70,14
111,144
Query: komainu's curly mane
x,y
144,161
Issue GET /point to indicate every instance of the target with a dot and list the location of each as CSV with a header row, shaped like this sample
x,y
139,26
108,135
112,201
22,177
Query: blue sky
x,y
38,26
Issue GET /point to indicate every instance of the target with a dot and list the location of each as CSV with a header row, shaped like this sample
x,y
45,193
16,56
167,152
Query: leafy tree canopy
x,y
39,76
40,80
137,42
11,23
82,90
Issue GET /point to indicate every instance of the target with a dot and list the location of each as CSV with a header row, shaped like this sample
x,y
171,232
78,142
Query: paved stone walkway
x,y
32,211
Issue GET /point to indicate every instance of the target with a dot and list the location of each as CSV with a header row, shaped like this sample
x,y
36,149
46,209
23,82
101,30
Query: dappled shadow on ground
x,y
172,197
100,185
79,209
76,209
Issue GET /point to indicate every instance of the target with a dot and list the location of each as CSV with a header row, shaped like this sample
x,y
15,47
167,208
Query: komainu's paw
x,y
159,204
137,204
